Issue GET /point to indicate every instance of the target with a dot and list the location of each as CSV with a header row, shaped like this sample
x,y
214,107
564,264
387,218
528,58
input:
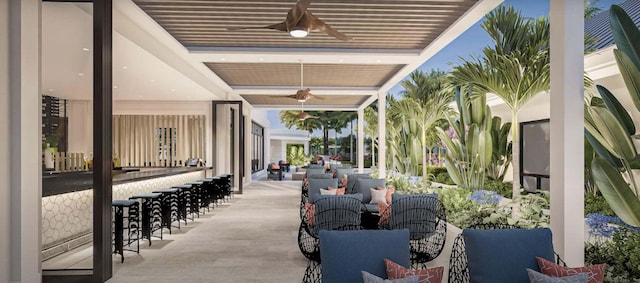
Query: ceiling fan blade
x,y
279,26
295,14
283,96
320,26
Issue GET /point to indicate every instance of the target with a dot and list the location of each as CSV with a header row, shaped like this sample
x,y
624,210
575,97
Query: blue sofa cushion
x,y
344,254
314,171
316,184
363,186
351,181
373,208
503,255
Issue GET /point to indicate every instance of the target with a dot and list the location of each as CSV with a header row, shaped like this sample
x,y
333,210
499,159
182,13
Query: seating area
x,y
148,215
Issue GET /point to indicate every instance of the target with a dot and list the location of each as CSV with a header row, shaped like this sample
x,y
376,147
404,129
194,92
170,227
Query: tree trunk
x,y
325,141
373,153
424,155
515,138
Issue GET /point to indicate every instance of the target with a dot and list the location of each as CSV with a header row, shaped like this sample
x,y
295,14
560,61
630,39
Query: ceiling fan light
x,y
302,100
298,32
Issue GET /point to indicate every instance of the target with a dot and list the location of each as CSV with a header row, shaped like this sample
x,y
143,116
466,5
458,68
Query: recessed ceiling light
x,y
378,61
261,59
223,59
80,74
51,89
173,89
85,49
153,81
125,67
115,86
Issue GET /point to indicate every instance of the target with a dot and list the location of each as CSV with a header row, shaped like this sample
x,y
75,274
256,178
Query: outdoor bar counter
x,y
67,200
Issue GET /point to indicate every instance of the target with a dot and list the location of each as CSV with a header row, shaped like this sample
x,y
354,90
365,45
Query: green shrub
x,y
621,254
596,204
502,188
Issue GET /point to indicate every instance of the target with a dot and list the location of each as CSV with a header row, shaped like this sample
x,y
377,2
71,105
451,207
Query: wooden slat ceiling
x,y
344,100
318,75
381,24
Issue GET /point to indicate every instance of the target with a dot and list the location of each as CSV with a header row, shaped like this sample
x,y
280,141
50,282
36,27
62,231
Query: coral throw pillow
x,y
595,272
338,191
311,213
390,191
275,166
385,213
429,275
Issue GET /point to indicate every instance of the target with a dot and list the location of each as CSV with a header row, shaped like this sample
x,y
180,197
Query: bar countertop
x,y
66,182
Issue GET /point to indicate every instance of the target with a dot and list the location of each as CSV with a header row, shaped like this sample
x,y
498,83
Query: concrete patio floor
x,y
252,238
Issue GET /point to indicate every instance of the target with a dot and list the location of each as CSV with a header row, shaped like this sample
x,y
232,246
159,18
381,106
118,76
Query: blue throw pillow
x,y
537,277
503,255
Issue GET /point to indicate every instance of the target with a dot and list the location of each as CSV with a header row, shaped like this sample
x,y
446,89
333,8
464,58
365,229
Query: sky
x,y
467,44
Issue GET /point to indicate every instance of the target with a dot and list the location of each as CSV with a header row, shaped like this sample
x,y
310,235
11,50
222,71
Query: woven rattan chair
x,y
340,212
458,266
425,217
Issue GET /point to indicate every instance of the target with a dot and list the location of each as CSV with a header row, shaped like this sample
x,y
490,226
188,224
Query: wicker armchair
x,y
351,182
313,186
458,267
340,212
426,219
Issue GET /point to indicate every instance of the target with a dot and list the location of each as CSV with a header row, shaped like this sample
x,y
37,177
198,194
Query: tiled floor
x,y
253,238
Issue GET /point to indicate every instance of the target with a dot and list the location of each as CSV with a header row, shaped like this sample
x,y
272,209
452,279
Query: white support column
x,y
567,130
22,165
360,140
306,147
382,135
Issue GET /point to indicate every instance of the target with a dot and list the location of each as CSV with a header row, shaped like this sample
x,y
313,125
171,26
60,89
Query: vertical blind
x,y
158,140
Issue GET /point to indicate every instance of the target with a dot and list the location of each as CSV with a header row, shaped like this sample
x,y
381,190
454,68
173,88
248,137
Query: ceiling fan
x,y
303,94
300,22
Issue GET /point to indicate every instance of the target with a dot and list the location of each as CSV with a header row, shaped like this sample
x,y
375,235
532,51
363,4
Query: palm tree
x,y
325,121
515,69
426,101
371,128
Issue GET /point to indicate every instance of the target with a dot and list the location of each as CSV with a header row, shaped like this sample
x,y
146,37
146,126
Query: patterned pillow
x,y
311,213
390,191
385,213
537,277
594,272
338,191
370,278
429,275
275,166
378,196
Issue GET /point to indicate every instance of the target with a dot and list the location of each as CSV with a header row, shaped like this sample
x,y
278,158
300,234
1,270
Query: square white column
x,y
360,140
382,135
567,130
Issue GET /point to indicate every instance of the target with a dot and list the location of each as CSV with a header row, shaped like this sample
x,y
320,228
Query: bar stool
x,y
151,214
184,202
169,199
207,193
132,226
197,193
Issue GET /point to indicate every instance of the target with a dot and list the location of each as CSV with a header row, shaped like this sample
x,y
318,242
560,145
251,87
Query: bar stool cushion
x,y
123,203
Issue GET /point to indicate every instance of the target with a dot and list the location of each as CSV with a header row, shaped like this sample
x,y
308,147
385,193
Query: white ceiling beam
x,y
473,15
307,107
291,90
288,55
368,101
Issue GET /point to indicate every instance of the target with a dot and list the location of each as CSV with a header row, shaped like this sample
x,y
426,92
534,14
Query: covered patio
x,y
253,70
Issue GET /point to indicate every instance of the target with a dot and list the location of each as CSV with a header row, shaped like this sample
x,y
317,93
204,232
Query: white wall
x,y
260,117
21,150
277,153
80,113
